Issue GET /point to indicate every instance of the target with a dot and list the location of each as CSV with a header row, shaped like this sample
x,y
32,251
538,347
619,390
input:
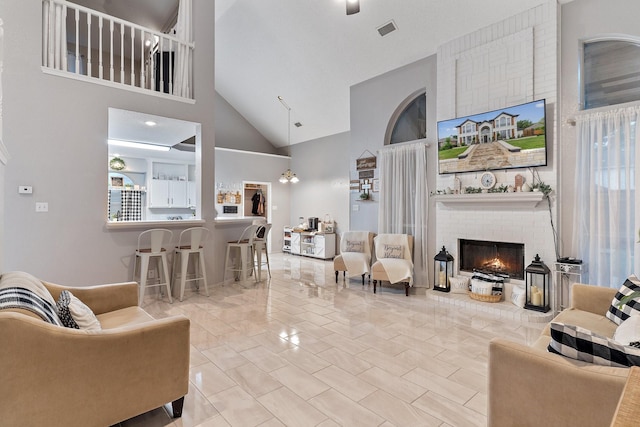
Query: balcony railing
x,y
87,44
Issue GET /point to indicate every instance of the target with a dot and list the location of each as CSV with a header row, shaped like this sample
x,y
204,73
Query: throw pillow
x,y
619,314
628,333
20,279
518,296
63,310
354,246
393,251
581,344
79,312
459,284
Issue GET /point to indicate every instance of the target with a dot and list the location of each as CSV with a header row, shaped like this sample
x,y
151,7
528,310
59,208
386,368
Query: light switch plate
x,y
355,208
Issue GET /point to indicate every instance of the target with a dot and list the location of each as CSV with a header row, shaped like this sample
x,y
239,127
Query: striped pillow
x,y
581,344
619,315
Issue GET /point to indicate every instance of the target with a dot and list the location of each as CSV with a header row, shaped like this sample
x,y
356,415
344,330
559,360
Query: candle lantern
x,y
443,270
537,286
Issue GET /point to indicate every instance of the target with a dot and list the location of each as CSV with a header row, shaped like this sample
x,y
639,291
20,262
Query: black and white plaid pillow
x,y
581,344
63,310
619,315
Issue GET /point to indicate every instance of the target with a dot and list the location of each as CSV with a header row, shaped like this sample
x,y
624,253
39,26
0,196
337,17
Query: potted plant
x,y
364,196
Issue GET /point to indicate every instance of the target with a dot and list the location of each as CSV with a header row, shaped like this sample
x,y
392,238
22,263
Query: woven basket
x,y
485,298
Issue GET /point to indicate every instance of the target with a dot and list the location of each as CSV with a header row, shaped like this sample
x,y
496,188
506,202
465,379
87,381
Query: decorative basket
x,y
485,298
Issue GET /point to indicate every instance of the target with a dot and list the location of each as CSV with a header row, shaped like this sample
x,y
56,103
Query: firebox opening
x,y
501,258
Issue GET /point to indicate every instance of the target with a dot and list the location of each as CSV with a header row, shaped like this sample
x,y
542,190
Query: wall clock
x,y
487,180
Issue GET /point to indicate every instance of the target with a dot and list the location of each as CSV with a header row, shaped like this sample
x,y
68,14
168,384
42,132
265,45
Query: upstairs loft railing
x,y
87,44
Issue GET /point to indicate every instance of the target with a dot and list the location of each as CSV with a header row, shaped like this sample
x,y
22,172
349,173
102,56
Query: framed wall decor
x,y
376,185
368,174
354,185
365,163
117,181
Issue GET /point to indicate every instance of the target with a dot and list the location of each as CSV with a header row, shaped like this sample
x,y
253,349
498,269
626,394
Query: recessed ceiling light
x,y
150,123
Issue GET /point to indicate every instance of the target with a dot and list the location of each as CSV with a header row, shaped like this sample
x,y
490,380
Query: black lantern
x,y
537,286
443,269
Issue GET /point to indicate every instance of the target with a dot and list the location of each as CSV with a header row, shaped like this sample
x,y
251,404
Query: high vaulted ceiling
x,y
311,53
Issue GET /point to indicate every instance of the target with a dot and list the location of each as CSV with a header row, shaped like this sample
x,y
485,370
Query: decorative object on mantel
x,y
443,270
117,164
519,181
537,286
472,190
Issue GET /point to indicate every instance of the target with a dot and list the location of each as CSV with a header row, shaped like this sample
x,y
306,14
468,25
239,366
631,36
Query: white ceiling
x,y
311,53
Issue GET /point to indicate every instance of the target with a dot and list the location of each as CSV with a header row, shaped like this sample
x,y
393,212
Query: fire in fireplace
x,y
492,257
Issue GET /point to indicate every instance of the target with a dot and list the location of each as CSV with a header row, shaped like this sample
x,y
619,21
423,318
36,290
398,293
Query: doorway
x,y
256,202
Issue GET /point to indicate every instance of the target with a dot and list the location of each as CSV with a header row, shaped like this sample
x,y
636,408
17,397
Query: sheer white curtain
x,y
182,71
605,201
54,51
404,204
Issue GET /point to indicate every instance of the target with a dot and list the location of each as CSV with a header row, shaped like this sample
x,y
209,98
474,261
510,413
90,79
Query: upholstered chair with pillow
x,y
394,260
86,356
355,254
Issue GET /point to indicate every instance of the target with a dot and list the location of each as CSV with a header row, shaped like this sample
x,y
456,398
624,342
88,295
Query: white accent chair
x,y
151,245
393,265
355,254
190,243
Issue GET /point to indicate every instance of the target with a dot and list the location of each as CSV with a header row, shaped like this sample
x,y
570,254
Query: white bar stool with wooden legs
x,y
190,243
150,245
244,247
260,243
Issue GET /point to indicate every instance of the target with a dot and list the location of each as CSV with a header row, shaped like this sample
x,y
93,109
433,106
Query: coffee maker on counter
x,y
313,223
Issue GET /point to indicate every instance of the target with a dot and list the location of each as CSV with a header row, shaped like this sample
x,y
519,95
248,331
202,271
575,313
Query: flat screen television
x,y
512,137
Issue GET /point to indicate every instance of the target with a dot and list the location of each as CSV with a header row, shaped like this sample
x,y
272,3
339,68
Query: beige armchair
x,y
355,254
391,265
52,375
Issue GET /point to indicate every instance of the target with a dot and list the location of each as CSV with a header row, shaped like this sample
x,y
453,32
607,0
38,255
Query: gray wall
x,y
234,131
233,167
373,103
323,168
55,130
582,19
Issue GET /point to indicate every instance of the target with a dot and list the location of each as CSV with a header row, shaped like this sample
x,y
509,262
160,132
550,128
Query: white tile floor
x,y
301,350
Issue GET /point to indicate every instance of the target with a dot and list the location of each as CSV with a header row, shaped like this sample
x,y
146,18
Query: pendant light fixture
x,y
288,176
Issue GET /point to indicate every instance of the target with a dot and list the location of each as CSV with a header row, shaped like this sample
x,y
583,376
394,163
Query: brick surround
x,y
510,62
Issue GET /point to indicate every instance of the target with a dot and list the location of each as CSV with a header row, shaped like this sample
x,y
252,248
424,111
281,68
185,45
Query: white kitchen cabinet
x,y
191,193
166,193
295,243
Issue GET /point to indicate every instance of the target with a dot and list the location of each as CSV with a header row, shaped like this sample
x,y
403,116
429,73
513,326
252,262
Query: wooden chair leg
x,y
406,289
336,277
374,285
362,279
176,406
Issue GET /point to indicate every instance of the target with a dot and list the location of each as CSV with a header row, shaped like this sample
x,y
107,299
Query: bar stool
x,y
244,246
150,245
189,244
260,243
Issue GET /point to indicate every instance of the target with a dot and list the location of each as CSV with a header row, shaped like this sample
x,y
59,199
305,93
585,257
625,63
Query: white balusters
x,y
148,68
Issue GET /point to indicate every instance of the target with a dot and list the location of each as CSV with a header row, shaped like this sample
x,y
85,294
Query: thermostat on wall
x,y
25,189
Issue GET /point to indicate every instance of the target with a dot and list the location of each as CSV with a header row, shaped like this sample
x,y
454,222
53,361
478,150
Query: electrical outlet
x,y
42,207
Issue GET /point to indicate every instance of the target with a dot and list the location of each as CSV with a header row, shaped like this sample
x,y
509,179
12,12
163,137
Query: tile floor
x,y
301,350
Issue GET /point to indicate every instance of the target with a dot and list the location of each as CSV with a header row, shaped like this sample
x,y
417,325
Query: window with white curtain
x,y
607,221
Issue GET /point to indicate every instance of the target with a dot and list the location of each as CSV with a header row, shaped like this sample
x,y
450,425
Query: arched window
x,y
610,72
409,122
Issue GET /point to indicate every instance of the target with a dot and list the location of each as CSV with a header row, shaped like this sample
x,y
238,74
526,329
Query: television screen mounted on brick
x,y
508,138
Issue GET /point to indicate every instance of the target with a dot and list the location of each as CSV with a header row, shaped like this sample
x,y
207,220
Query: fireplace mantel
x,y
528,200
